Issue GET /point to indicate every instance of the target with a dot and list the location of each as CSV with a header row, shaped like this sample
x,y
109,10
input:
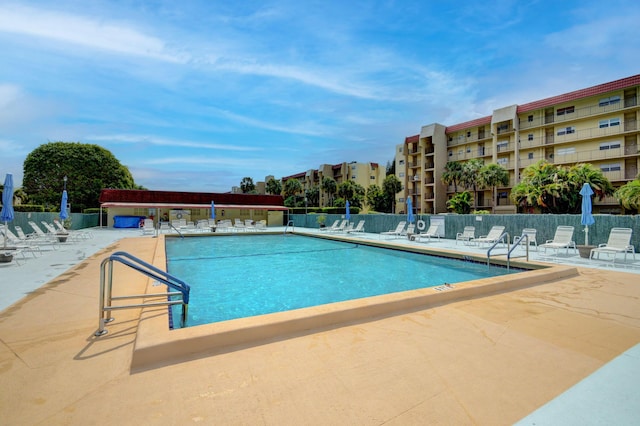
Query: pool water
x,y
241,276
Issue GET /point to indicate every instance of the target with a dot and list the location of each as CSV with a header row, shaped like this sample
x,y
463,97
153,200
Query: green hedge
x,y
28,208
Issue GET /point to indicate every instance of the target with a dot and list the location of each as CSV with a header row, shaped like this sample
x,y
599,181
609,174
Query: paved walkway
x,y
492,360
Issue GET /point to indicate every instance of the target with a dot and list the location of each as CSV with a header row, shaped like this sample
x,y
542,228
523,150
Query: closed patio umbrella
x,y
7,215
64,214
348,214
410,217
213,210
587,217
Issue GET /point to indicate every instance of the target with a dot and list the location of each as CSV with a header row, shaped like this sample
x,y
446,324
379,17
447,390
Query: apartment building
x,y
364,174
596,125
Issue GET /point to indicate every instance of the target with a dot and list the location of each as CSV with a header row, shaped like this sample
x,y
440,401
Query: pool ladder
x,y
293,226
516,243
179,287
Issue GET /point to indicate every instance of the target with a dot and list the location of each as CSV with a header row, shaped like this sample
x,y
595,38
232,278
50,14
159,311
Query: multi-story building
x,y
596,125
364,174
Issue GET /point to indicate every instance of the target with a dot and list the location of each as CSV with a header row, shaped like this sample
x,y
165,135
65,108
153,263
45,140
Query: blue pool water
x,y
239,276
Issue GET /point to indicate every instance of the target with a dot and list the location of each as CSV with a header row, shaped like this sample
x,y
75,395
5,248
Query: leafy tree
x,y
313,196
461,203
247,186
391,168
89,169
452,174
492,175
556,189
471,175
351,191
391,186
330,187
292,187
274,187
376,199
629,195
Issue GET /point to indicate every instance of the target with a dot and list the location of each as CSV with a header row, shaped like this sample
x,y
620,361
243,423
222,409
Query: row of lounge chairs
x,y
619,241
52,236
344,226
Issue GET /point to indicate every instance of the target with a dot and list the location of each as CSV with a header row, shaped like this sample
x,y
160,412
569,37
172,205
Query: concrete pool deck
x,y
489,360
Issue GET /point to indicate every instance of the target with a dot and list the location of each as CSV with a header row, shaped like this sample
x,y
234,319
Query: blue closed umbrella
x,y
348,214
587,217
213,210
64,214
410,217
7,215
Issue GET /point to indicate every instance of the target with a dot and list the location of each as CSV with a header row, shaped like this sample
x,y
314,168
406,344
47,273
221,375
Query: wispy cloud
x,y
92,33
159,141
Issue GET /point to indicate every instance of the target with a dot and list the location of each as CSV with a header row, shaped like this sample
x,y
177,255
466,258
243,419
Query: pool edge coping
x,y
157,346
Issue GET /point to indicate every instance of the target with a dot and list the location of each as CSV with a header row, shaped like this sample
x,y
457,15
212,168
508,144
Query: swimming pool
x,y
238,276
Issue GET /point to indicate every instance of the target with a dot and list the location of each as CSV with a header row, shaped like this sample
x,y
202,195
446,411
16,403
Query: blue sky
x,y
195,95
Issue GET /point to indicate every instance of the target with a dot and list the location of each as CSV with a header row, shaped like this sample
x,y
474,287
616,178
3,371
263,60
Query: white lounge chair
x,y
529,239
409,231
21,246
38,237
147,227
358,228
429,233
467,234
492,237
619,242
562,239
329,228
342,227
395,232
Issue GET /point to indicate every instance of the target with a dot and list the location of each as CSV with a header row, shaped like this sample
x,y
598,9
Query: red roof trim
x,y
582,93
174,198
412,139
467,124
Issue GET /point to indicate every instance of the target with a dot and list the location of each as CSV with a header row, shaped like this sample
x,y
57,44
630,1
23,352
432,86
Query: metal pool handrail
x,y
500,238
516,243
106,288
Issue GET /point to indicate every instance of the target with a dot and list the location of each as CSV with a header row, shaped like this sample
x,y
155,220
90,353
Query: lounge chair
x,y
76,234
430,233
409,231
530,239
20,246
332,227
494,235
40,239
619,242
148,228
395,232
358,228
467,234
342,227
562,239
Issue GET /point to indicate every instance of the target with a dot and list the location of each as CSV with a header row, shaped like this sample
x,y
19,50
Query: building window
x,y
566,151
530,118
450,153
503,127
401,174
615,167
503,161
609,145
530,156
502,146
609,101
530,136
372,177
566,110
468,134
468,150
566,131
609,123
401,162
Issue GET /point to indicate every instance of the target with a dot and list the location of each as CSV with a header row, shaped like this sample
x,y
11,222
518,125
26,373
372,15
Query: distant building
x,y
596,125
364,174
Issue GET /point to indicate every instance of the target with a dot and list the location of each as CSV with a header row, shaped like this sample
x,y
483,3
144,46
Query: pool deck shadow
x,y
489,360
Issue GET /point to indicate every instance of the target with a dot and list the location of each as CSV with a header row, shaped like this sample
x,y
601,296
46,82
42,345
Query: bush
x,y
27,208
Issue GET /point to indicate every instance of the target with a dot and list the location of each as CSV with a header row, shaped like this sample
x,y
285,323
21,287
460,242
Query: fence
x,y
78,220
514,223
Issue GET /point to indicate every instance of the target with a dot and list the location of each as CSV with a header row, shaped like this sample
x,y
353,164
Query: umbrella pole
x,y
586,235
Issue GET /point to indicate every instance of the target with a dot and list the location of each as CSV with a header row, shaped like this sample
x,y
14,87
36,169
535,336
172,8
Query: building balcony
x,y
580,113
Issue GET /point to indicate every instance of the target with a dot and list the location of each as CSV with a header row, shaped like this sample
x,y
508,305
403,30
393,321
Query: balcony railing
x,y
583,112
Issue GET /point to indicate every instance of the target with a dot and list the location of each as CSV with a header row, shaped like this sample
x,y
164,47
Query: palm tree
x,y
329,186
470,175
274,187
452,174
492,175
629,195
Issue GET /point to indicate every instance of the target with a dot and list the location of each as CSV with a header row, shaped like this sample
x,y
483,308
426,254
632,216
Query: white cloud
x,y
159,141
87,32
